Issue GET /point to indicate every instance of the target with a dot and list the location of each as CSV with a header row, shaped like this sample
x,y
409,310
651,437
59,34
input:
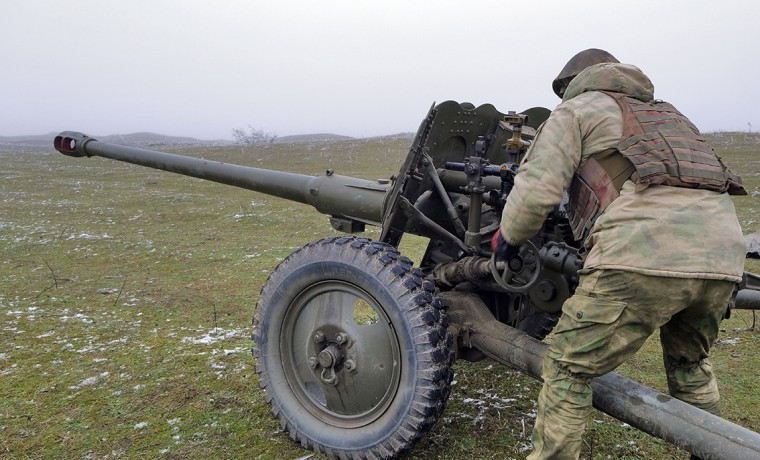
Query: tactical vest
x,y
659,146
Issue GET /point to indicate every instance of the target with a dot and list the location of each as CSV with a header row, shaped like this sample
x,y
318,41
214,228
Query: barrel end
x,y
72,143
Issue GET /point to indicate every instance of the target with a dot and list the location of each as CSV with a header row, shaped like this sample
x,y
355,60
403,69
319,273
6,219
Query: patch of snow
x,y
89,381
233,351
87,236
213,336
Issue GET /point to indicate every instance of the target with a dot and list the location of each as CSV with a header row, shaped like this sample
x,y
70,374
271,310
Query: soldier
x,y
662,246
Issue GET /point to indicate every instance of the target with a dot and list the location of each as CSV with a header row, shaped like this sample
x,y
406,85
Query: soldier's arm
x,y
544,175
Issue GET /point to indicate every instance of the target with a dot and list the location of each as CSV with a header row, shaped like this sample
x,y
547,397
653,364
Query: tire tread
x,y
428,322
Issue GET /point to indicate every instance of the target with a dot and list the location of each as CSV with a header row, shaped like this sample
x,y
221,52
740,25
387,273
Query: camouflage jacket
x,y
661,231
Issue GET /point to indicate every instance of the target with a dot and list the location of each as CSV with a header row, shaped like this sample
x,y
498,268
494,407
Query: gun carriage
x,y
354,345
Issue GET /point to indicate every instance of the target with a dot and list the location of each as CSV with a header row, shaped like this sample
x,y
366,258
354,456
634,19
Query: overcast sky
x,y
357,68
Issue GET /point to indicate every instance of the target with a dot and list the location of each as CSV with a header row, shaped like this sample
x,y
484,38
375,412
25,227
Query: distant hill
x,y
409,136
135,139
41,140
154,140
158,140
323,137
311,138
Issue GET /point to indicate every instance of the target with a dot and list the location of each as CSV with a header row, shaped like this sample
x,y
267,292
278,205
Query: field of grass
x,y
126,297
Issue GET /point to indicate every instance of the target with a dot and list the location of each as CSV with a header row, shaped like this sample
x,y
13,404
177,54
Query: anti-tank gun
x,y
354,345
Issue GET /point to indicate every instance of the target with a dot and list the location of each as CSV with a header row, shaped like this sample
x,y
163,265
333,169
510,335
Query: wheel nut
x,y
313,362
341,338
329,356
349,365
319,337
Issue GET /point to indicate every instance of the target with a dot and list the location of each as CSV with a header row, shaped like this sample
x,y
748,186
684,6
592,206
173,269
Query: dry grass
x,y
126,296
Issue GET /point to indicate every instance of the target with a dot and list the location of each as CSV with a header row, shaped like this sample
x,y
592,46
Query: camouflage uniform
x,y
663,257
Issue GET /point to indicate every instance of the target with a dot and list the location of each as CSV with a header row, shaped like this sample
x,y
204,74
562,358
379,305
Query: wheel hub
x,y
331,357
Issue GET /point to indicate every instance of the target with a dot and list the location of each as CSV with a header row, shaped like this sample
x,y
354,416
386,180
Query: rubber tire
x,y
419,390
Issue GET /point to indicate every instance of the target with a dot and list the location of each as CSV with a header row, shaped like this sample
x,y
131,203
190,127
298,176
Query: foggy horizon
x,y
192,69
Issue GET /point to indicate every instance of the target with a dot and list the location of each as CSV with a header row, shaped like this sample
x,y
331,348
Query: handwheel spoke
x,y
528,265
508,276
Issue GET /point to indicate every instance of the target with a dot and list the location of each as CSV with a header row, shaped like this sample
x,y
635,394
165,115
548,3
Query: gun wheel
x,y
352,349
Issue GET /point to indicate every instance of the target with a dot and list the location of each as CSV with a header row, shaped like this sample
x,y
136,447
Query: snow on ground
x,y
215,335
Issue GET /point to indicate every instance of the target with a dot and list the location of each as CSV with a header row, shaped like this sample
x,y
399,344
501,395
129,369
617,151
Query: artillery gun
x,y
354,345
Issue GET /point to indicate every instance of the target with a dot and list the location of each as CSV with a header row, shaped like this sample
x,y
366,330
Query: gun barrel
x,y
335,195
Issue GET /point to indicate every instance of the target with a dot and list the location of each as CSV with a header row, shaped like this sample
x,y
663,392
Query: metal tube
x,y
455,180
416,215
330,194
747,299
450,210
472,237
683,425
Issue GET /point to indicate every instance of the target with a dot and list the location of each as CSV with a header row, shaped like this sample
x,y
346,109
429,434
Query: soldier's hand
x,y
503,250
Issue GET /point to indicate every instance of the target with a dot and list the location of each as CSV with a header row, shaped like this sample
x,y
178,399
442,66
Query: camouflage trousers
x,y
604,323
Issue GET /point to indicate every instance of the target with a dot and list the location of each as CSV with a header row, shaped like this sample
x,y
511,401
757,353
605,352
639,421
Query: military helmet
x,y
576,64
